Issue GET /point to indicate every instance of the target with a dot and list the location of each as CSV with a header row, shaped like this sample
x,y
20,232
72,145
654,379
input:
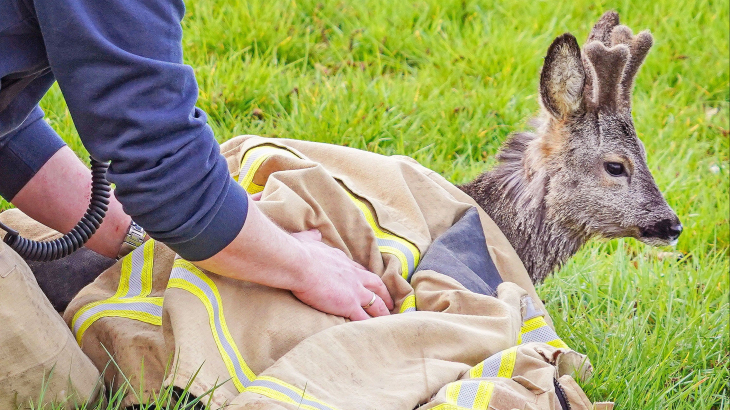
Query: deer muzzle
x,y
664,232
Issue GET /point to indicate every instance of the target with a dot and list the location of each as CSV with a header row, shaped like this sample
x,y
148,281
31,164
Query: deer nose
x,y
675,230
666,229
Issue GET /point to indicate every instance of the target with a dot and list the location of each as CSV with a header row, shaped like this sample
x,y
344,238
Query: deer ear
x,y
562,78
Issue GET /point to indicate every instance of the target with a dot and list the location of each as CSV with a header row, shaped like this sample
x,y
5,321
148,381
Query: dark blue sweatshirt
x,y
119,66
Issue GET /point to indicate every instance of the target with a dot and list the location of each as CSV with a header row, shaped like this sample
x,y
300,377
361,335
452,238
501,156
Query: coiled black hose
x,y
71,242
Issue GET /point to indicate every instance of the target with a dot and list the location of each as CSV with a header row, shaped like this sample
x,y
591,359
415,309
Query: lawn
x,y
445,82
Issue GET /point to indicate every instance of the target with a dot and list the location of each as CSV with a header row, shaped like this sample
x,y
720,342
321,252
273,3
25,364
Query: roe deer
x,y
583,172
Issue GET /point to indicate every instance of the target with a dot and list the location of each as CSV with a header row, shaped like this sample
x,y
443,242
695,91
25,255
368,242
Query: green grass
x,y
445,82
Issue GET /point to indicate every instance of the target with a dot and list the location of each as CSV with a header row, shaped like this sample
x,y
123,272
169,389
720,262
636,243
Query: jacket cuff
x,y
222,229
24,152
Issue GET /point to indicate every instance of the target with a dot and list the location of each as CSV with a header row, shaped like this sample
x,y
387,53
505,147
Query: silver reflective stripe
x,y
410,309
397,245
290,393
491,365
133,267
247,165
542,334
530,310
150,308
194,280
467,394
135,277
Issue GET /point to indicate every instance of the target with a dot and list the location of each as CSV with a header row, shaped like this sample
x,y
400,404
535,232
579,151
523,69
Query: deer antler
x,y
606,66
602,30
612,57
639,46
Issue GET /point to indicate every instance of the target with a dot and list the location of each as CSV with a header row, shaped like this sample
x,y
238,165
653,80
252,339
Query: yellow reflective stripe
x,y
146,274
239,371
131,299
532,324
477,370
447,406
148,310
409,304
406,267
452,392
123,286
500,364
507,364
537,330
248,177
279,390
136,273
558,344
251,162
484,395
254,189
467,395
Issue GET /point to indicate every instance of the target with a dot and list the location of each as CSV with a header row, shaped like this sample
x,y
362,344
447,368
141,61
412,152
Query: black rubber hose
x,y
71,242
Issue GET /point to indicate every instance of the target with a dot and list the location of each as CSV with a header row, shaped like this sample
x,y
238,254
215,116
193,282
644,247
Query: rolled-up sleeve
x,y
24,151
119,66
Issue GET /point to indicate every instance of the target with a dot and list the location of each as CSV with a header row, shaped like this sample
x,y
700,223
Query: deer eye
x,y
616,169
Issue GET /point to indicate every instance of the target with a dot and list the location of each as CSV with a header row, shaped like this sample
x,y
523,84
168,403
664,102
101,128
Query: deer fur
x,y
555,188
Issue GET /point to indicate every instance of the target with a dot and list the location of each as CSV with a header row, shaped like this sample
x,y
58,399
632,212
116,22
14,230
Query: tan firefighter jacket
x,y
468,330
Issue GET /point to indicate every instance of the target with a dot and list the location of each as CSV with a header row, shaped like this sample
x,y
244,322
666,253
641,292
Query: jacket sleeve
x,y
119,66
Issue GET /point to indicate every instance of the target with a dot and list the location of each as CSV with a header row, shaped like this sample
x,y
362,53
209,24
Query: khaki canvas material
x,y
533,385
375,367
37,350
249,346
27,227
410,200
62,279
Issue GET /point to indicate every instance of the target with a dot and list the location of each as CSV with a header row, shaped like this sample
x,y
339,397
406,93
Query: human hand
x,y
319,275
332,283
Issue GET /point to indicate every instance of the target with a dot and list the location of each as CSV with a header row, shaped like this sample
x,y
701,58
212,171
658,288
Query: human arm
x,y
320,276
43,178
58,195
323,277
119,66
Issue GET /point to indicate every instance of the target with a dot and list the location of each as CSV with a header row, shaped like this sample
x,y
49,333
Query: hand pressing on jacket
x,y
319,275
335,284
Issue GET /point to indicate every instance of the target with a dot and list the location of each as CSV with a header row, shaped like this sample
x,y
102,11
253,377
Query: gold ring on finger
x,y
371,301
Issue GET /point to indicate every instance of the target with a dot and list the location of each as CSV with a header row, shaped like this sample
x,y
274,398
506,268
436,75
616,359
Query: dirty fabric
x,y
37,351
62,279
466,311
461,253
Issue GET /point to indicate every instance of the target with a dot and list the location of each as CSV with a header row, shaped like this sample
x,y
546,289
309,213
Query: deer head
x,y
583,173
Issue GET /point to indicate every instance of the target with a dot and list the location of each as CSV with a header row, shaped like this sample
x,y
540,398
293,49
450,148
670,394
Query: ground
x,y
445,82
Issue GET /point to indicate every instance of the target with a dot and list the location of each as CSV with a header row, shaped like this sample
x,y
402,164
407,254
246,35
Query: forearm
x,y
119,65
58,195
261,253
318,275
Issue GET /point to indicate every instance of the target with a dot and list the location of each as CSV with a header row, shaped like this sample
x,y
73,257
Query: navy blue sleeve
x,y
119,66
24,151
